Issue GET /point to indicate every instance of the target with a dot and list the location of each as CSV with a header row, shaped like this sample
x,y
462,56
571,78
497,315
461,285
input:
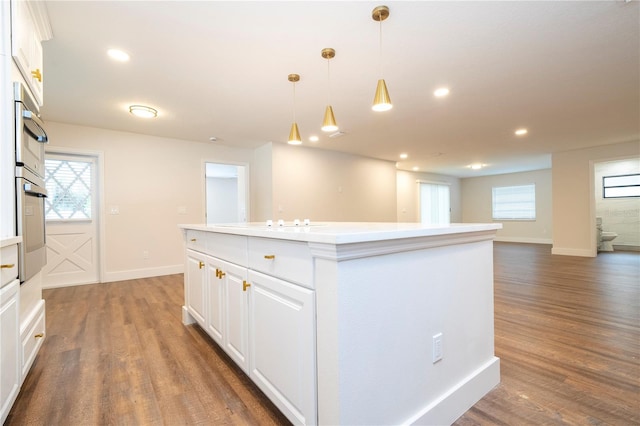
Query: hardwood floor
x,y
567,332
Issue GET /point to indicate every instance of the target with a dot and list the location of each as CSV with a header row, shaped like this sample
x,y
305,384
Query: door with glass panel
x,y
71,220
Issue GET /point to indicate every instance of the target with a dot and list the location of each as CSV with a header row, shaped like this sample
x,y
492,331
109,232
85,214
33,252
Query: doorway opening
x,y
226,193
617,204
435,203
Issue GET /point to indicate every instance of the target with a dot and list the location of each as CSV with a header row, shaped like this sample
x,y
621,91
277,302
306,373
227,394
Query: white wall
x,y
573,195
149,178
408,207
222,200
619,215
477,205
331,186
261,180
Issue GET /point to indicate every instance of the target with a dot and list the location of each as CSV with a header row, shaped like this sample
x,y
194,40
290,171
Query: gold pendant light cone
x,y
294,135
381,101
329,122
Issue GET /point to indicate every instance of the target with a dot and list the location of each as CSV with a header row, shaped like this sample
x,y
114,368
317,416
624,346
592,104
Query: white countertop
x,y
344,232
7,241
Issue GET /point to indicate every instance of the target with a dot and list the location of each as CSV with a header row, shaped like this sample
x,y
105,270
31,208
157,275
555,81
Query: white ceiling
x,y
567,71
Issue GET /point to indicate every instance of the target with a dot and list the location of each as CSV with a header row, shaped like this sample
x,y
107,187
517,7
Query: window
x,y
434,203
621,186
514,202
68,184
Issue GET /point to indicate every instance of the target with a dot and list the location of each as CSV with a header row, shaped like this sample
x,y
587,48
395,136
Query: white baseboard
x,y
142,273
572,252
460,398
524,240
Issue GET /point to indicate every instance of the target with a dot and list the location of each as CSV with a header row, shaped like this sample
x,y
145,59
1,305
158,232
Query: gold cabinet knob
x,y
245,285
7,265
193,240
38,336
200,264
37,75
222,274
270,256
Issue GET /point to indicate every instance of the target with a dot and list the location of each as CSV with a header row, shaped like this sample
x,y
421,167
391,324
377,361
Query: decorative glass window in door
x,y
68,185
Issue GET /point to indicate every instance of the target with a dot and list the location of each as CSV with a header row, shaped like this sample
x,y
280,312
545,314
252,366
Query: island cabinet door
x,y
236,315
282,342
195,286
215,305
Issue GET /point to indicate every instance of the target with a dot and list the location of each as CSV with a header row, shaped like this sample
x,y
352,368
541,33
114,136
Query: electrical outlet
x,y
145,254
114,210
437,347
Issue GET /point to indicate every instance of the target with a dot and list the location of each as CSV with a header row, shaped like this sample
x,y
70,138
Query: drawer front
x,y
289,260
31,342
196,240
232,248
9,261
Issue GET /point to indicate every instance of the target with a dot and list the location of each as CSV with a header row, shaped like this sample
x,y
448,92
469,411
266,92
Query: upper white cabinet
x,y
29,28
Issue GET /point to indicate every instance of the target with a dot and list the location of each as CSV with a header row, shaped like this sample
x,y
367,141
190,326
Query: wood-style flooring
x,y
567,333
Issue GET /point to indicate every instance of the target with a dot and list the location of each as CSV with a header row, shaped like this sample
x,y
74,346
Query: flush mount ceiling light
x,y
329,122
143,111
118,55
476,166
294,134
521,132
441,92
381,100
314,138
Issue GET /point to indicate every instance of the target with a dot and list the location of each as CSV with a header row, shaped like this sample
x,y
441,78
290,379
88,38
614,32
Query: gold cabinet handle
x,y
217,273
245,285
270,256
7,265
193,240
200,264
37,75
221,274
38,336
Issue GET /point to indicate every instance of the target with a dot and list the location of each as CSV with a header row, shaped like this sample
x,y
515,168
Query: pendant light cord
x,y
380,58
294,101
328,83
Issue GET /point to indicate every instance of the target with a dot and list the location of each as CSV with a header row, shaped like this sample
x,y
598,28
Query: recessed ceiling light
x,y
118,55
404,156
314,138
476,166
143,111
415,169
521,132
213,139
441,92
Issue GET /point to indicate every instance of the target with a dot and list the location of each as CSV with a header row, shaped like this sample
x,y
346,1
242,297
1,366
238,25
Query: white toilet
x,y
604,238
607,238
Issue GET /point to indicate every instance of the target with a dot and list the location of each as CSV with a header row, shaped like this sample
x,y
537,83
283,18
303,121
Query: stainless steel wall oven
x,y
30,189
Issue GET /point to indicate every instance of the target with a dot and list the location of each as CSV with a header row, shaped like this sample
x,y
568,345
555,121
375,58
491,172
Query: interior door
x,y
71,220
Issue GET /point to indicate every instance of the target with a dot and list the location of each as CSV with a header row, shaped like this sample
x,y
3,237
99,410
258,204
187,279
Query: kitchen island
x,y
350,323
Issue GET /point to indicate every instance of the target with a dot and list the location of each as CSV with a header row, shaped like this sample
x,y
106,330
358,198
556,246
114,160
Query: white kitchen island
x,y
351,323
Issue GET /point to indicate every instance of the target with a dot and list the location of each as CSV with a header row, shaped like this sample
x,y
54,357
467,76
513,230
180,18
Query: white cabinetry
x,y
29,27
341,316
282,341
195,286
265,324
10,361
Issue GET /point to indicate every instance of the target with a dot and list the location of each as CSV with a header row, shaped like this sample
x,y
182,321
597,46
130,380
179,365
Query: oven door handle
x,y
43,138
32,189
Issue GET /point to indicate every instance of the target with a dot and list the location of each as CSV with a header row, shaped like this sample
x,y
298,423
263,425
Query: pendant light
x,y
329,122
294,134
381,100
